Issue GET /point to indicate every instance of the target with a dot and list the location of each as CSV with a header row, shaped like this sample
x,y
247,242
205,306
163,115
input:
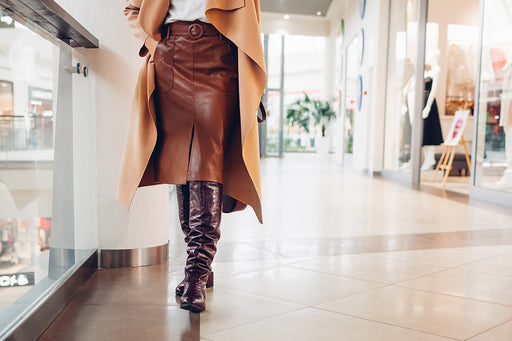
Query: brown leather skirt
x,y
197,103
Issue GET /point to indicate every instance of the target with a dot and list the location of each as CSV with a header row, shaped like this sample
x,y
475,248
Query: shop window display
x,y
460,87
494,144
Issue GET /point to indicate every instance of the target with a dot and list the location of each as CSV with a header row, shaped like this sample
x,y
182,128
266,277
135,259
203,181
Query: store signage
x,y
457,128
21,279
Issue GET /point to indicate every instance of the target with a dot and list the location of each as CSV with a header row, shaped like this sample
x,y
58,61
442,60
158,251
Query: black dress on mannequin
x,y
432,134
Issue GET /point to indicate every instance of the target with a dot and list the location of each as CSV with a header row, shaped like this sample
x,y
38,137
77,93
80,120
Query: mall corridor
x,y
341,256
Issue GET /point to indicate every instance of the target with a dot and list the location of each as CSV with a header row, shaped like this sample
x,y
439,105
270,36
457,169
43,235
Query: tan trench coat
x,y
238,20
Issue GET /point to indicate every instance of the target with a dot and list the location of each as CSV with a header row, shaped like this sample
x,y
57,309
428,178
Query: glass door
x,y
404,89
272,143
492,178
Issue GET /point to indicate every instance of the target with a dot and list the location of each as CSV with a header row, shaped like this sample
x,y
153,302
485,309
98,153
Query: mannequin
x,y
432,134
406,121
506,120
405,113
193,121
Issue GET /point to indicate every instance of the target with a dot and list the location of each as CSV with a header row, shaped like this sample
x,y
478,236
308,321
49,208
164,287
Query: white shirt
x,y
187,10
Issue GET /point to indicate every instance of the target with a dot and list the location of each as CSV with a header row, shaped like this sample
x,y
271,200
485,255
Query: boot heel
x,y
209,281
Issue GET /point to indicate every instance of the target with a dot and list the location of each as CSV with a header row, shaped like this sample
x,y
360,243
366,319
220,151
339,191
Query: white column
x,y
114,68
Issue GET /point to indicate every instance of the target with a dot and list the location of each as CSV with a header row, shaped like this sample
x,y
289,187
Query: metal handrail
x,y
51,19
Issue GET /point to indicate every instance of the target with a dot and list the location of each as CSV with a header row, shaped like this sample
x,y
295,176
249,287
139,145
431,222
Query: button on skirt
x,y
197,103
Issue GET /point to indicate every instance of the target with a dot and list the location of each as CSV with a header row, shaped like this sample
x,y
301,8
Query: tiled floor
x,y
341,256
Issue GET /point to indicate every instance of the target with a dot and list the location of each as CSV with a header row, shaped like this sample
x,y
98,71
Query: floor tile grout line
x,y
458,267
455,296
487,272
487,256
249,272
307,305
485,331
259,295
368,280
117,304
368,250
386,323
259,320
309,270
310,305
421,276
340,275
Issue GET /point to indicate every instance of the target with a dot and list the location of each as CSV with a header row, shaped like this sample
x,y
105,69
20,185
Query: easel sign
x,y
455,137
457,128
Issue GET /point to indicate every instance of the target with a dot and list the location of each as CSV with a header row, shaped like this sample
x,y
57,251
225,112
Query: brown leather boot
x,y
204,220
181,286
183,195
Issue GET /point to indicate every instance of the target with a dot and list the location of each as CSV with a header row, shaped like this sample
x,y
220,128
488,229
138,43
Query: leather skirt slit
x,y
197,103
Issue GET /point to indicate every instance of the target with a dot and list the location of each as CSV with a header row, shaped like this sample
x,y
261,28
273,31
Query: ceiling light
x,y
286,17
318,13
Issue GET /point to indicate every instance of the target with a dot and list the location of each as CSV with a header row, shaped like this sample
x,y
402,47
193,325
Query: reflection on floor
x,y
341,256
458,184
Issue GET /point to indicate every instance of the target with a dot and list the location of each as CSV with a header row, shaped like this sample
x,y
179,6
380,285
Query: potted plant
x,y
307,112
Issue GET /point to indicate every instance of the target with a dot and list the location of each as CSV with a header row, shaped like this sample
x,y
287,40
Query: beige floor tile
x,y
306,184
499,265
313,324
371,267
469,284
492,249
228,308
500,333
123,322
259,289
295,285
143,285
440,257
437,314
226,269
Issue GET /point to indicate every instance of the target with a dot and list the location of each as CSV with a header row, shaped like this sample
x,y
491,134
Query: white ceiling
x,y
304,7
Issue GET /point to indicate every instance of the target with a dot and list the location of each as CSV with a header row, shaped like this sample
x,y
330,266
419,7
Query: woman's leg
x,y
183,195
204,223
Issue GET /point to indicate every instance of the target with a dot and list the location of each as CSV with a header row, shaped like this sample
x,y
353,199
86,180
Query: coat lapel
x,y
152,15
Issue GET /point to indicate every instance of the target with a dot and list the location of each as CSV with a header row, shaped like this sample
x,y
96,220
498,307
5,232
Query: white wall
x,y
369,122
113,71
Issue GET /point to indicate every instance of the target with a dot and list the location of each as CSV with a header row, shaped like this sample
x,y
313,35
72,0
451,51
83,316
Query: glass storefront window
x,y
303,74
494,140
351,94
38,234
400,84
26,159
274,71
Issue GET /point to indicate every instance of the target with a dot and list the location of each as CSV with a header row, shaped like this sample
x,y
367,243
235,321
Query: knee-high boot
x,y
183,196
204,220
